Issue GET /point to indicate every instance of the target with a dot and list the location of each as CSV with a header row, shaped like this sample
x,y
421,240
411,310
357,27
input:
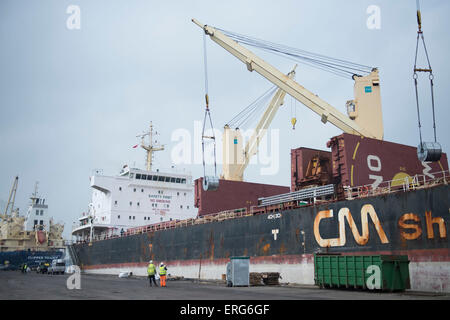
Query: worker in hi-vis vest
x,y
162,274
151,271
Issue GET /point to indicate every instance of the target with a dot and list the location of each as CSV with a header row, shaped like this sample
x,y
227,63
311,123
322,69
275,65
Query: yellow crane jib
x,y
236,156
366,116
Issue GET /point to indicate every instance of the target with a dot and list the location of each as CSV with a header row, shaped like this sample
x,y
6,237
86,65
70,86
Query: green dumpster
x,y
371,272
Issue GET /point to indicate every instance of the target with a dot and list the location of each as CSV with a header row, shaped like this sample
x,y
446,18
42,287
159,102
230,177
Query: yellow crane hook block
x,y
294,122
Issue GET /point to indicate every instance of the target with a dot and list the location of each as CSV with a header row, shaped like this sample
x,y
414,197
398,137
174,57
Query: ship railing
x,y
220,216
419,181
223,215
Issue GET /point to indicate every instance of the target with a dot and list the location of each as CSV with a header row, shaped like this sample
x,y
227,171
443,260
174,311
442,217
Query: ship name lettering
x,y
429,221
345,214
374,165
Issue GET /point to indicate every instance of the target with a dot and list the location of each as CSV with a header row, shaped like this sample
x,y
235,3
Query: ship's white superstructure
x,y
36,231
37,214
136,198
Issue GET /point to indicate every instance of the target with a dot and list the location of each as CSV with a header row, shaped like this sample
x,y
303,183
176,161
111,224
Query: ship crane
x,y
235,157
11,199
364,112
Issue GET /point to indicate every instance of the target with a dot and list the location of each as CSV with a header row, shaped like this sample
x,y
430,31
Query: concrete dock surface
x,y
15,285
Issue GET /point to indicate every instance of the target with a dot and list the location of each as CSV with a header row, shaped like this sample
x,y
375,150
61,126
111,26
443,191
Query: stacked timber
x,y
264,278
256,279
271,278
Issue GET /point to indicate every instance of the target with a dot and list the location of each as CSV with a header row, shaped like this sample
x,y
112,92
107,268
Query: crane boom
x,y
12,197
327,112
236,160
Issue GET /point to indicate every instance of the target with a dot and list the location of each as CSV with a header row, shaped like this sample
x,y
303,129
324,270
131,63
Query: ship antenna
x,y
35,193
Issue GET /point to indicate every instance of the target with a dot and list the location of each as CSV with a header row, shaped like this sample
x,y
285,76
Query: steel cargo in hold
x,y
310,167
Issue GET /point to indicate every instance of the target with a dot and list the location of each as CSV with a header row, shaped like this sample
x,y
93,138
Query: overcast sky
x,y
73,100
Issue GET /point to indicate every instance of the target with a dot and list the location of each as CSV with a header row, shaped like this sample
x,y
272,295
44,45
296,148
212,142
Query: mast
x,y
34,196
150,148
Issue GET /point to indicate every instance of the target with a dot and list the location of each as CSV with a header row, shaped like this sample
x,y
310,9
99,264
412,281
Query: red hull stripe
x,y
422,255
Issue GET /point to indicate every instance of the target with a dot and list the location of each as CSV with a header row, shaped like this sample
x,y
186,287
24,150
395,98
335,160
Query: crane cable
x,y
249,112
415,77
293,111
207,115
339,67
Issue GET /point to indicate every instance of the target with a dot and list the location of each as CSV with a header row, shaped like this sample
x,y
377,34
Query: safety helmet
x,y
162,263
151,261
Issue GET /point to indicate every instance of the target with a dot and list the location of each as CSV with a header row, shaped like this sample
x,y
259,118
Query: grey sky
x,y
74,100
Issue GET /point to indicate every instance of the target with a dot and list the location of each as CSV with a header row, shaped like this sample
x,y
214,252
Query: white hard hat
x,y
151,261
162,263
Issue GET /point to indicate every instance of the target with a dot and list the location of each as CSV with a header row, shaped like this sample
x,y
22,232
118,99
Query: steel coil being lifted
x,y
429,151
426,151
210,183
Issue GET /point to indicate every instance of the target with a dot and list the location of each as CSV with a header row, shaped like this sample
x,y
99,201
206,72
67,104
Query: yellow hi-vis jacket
x,y
151,269
162,270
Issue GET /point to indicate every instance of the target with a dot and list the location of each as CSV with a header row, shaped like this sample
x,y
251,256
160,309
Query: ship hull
x,y
414,223
14,259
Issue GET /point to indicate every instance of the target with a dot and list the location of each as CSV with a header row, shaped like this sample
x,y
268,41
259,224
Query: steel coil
x,y
210,183
429,152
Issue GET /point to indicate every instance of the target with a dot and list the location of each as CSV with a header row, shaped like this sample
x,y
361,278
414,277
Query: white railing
x,y
223,215
419,181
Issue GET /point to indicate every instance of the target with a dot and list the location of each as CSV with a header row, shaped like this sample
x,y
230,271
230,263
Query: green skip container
x,y
376,272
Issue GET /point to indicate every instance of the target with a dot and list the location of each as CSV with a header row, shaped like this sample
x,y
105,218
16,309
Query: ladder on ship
x,y
73,255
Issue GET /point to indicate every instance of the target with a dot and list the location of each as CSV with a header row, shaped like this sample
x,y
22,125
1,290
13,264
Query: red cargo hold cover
x,y
232,195
359,161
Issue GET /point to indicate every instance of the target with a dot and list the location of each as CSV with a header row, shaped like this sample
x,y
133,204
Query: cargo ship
x,y
363,195
29,239
404,213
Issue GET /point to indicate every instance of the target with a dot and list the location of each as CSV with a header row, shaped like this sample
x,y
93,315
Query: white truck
x,y
58,266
